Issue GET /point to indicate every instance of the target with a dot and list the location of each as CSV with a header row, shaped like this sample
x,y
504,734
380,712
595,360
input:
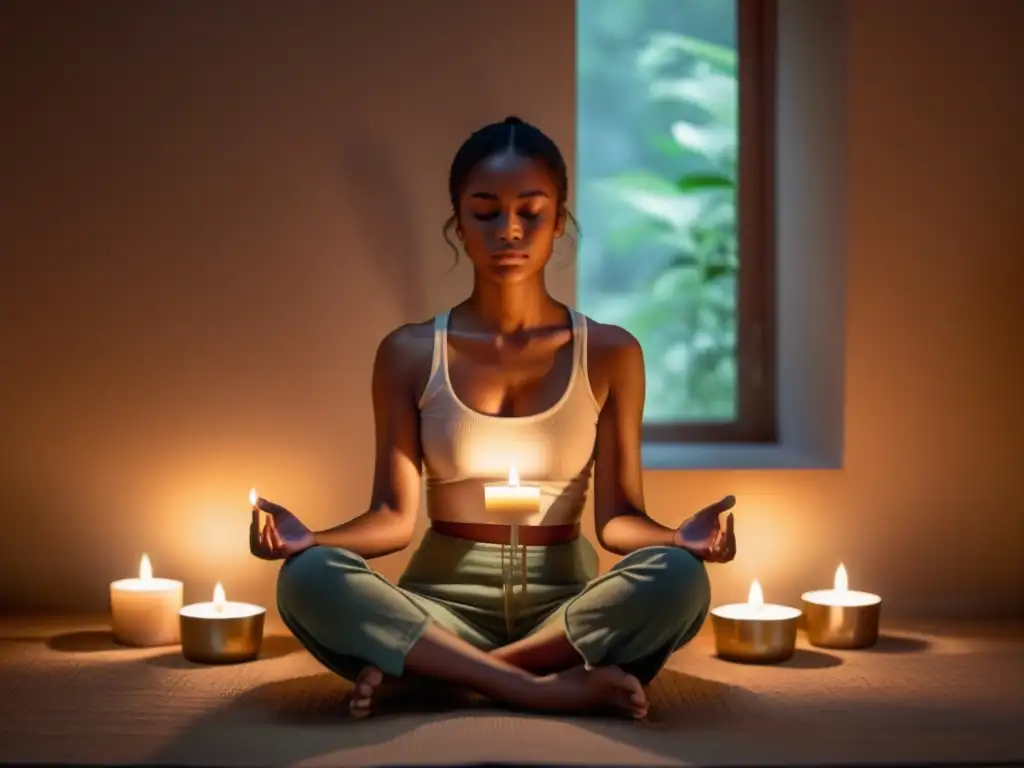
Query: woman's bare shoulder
x,y
409,338
611,344
614,359
406,353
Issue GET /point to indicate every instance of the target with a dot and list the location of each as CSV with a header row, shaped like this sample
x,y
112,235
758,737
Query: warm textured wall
x,y
211,212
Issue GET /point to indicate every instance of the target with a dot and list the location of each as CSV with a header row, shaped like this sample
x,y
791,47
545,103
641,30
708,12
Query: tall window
x,y
674,162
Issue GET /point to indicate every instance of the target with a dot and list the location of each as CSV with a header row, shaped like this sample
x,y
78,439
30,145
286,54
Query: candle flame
x,y
253,498
145,568
219,598
842,580
513,476
756,595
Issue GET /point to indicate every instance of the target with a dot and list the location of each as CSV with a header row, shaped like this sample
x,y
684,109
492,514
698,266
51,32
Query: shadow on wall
x,y
374,183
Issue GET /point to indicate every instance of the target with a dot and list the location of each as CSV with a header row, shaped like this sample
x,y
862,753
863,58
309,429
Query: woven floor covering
x,y
938,695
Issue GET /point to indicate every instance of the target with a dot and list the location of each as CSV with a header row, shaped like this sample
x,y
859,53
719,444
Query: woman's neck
x,y
510,307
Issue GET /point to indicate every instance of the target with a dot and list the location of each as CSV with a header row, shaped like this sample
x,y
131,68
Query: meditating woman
x,y
508,378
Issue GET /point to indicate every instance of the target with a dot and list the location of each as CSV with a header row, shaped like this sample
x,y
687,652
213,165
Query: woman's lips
x,y
509,257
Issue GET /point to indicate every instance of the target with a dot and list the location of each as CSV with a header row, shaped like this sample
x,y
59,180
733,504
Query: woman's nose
x,y
510,230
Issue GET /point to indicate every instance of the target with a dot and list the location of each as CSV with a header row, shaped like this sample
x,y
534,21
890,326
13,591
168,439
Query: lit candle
x,y
755,632
144,611
221,632
253,498
841,617
511,503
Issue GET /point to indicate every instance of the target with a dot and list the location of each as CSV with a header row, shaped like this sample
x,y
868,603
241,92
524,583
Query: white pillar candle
x,y
511,503
144,611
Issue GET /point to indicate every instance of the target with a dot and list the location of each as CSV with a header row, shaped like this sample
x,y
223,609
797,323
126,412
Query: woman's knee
x,y
676,577
311,577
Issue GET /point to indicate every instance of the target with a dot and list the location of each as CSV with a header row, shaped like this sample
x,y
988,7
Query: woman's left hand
x,y
704,535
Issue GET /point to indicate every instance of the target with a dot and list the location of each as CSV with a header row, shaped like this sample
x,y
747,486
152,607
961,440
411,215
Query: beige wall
x,y
211,212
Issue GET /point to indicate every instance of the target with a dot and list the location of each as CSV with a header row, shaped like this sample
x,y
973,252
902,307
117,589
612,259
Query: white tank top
x,y
464,449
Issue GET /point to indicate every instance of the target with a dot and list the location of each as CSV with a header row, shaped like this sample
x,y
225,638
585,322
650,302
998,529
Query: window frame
x,y
757,411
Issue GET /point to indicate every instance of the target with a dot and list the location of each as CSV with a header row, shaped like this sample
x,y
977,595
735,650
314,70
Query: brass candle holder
x,y
755,632
840,617
221,632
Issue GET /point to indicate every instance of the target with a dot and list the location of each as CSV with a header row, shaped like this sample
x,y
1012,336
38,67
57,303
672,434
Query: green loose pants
x,y
634,616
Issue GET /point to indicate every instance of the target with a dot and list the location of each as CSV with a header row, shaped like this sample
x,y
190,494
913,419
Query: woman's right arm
x,y
388,525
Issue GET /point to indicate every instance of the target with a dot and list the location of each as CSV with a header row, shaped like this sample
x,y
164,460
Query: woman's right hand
x,y
283,534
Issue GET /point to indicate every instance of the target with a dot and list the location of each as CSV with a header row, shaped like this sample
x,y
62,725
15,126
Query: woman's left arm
x,y
621,520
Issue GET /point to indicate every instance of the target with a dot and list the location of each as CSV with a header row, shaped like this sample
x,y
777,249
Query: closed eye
x,y
491,215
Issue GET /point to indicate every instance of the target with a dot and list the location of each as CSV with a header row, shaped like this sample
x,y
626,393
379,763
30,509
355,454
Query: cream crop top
x,y
463,449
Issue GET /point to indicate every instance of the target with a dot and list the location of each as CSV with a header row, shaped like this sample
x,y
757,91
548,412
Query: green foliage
x,y
668,224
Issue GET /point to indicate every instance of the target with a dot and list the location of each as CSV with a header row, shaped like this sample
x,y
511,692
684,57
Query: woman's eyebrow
x,y
523,196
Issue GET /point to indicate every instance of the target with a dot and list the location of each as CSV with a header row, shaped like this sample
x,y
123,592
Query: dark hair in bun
x,y
512,133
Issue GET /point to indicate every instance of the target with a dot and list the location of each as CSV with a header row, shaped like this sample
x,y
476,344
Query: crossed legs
x,y
598,648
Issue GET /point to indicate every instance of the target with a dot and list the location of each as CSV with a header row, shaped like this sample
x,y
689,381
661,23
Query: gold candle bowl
x,y
841,617
755,632
221,632
845,620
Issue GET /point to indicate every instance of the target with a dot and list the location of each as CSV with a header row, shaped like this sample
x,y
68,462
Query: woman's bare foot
x,y
364,690
579,689
372,688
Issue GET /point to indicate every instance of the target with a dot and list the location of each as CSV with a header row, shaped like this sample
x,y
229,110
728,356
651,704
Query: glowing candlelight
x,y
841,594
220,608
511,503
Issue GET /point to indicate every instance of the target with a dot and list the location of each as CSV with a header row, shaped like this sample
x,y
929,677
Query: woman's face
x,y
509,217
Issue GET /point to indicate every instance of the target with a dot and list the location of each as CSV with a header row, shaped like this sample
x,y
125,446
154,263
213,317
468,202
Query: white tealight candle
x,y
511,503
221,608
841,617
144,611
756,609
221,631
841,594
755,631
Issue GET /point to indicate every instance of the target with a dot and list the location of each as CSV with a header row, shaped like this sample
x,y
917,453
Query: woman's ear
x,y
560,222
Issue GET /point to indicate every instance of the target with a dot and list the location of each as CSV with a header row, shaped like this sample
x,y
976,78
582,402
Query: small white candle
x,y
755,609
841,595
513,503
144,611
220,608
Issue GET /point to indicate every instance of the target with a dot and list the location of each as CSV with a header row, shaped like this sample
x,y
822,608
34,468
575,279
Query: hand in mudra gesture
x,y
704,535
282,536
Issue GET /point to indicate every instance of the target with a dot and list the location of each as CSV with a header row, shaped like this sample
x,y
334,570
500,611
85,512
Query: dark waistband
x,y
528,535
